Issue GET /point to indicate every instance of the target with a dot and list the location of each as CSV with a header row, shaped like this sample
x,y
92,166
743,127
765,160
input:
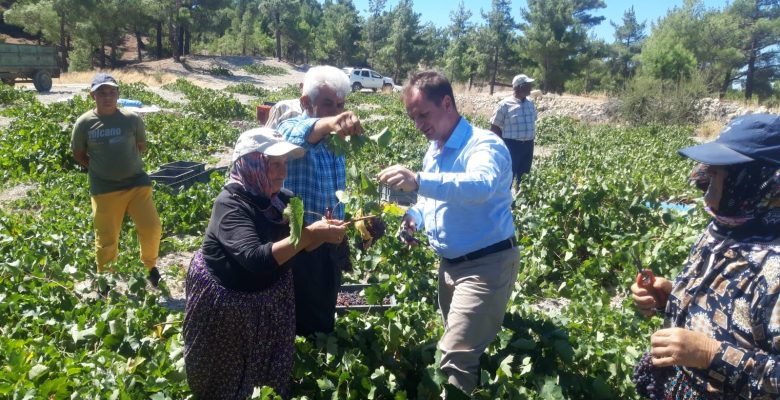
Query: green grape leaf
x,y
342,196
357,142
337,145
294,213
382,139
352,144
393,209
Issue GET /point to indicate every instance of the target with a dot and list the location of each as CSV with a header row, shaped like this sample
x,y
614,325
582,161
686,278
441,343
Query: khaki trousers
x,y
108,211
472,297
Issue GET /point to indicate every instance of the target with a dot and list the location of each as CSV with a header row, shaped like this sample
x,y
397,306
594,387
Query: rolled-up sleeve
x,y
297,130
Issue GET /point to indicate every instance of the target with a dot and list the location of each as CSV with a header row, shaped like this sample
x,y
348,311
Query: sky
x,y
438,11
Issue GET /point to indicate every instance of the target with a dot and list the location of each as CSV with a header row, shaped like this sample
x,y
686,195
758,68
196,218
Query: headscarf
x,y
749,207
251,172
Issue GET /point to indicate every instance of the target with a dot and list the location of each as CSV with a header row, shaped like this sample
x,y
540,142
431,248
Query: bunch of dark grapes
x,y
346,299
376,228
650,380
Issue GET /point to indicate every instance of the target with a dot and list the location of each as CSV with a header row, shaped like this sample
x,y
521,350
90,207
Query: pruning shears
x,y
645,280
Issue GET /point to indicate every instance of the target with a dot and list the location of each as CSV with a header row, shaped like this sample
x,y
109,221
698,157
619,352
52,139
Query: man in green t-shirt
x,y
109,141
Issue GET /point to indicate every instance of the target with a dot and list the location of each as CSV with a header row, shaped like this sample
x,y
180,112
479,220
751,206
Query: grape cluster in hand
x,y
650,380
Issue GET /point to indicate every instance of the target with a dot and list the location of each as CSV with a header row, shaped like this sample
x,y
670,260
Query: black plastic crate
x,y
397,196
190,178
169,176
363,308
205,176
186,165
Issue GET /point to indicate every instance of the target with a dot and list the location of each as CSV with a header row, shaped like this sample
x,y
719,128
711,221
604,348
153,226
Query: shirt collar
x,y
460,134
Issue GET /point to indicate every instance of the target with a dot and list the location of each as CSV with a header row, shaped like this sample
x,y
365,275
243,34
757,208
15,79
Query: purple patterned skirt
x,y
235,341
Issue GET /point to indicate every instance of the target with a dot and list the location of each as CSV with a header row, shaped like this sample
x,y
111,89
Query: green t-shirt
x,y
111,142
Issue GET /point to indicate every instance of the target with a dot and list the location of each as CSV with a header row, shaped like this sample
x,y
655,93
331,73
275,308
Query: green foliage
x,y
650,100
351,145
556,130
209,103
667,59
294,213
218,70
457,58
262,69
36,18
9,96
337,34
555,32
247,88
287,92
629,37
81,56
138,91
37,142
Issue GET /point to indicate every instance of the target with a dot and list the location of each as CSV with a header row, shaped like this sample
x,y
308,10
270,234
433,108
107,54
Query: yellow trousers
x,y
108,211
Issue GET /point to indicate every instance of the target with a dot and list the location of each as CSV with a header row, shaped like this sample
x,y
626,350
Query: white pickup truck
x,y
366,78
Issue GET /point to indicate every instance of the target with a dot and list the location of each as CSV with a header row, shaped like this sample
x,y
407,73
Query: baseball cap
x,y
102,79
754,137
520,79
266,141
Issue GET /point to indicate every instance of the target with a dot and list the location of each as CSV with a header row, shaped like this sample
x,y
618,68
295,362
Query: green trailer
x,y
29,63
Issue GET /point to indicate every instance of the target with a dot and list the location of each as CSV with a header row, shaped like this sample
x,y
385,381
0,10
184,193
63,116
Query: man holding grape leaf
x,y
315,178
464,206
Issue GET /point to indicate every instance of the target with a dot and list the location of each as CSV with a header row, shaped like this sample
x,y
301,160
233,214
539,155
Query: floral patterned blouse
x,y
730,290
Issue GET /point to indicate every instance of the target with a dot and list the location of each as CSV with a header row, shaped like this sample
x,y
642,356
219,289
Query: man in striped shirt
x,y
515,121
315,178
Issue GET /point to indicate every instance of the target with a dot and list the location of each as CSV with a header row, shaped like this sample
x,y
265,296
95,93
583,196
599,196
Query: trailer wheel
x,y
42,81
8,81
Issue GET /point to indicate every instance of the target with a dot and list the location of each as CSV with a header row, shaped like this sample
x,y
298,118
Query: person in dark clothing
x,y
721,333
239,324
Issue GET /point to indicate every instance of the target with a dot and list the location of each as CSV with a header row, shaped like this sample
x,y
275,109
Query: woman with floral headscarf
x,y
239,325
721,335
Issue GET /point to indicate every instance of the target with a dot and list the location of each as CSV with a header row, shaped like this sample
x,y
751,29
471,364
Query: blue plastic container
x,y
129,103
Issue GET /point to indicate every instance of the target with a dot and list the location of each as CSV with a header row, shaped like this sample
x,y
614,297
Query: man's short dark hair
x,y
433,85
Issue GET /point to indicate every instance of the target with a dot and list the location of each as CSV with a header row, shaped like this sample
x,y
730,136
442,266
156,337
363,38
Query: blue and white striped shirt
x,y
464,199
516,118
317,175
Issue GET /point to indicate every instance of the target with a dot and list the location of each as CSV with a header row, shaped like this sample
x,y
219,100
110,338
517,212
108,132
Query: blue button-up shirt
x,y
317,175
464,199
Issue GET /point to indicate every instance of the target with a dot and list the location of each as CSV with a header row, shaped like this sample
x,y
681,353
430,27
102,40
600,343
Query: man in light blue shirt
x,y
464,205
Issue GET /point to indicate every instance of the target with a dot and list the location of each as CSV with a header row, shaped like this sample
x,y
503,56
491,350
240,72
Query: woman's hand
x,y
646,301
325,231
678,346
